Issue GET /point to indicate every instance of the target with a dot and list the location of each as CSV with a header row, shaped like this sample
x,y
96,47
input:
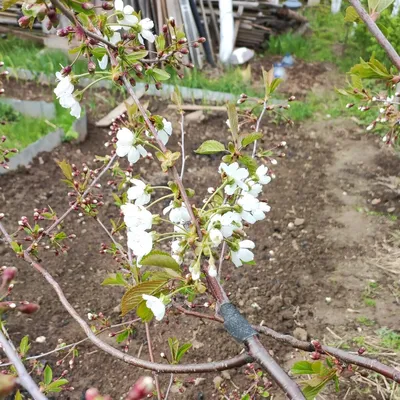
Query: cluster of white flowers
x,y
127,20
126,146
138,221
223,225
64,92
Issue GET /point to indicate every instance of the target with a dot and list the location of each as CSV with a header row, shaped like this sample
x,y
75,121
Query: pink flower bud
x,y
29,308
182,41
24,21
361,350
2,215
172,22
140,389
107,6
9,274
91,67
92,394
87,6
66,70
158,85
165,28
7,384
201,39
184,51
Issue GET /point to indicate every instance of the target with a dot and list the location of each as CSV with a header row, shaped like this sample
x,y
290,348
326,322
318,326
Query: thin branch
x,y
150,347
182,124
258,127
65,215
377,33
25,379
261,355
58,349
171,381
345,356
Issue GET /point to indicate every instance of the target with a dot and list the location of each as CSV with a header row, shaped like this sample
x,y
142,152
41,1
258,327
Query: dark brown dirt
x,y
329,170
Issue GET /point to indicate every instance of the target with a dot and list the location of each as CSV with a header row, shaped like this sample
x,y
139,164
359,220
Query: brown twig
x,y
261,355
150,347
24,378
345,356
70,209
377,33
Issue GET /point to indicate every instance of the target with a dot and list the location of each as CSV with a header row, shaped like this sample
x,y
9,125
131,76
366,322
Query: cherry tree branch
x,y
234,362
65,215
377,33
150,346
364,362
24,378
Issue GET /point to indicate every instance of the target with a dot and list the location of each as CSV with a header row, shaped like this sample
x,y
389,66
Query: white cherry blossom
x,y
226,223
126,146
156,306
128,18
177,215
138,192
236,177
243,255
254,188
137,217
262,175
216,237
140,242
64,91
165,132
177,248
146,25
252,209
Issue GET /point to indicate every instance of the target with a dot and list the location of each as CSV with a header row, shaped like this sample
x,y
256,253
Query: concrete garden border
x,y
40,109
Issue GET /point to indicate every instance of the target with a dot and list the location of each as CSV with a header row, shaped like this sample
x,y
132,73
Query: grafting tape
x,y
234,322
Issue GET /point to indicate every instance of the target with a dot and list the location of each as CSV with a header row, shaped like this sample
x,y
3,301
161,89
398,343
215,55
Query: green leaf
x,y
47,375
99,52
356,82
133,297
176,97
250,163
66,169
311,392
274,84
233,121
160,42
84,19
251,138
210,147
182,350
173,344
16,247
8,3
161,259
302,368
18,395
24,346
160,74
137,55
123,336
115,280
351,15
144,312
56,386
378,5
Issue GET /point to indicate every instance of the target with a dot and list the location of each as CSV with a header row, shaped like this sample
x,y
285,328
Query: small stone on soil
x,y
300,334
40,339
375,201
299,221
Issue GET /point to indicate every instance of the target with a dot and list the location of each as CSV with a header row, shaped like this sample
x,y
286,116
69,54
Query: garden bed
x,y
330,170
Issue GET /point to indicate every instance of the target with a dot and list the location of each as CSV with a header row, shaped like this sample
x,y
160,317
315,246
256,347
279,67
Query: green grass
x,y
365,321
389,338
328,30
22,130
18,53
231,80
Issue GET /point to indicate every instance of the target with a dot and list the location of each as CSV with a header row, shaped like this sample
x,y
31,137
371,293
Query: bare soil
x,y
312,276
